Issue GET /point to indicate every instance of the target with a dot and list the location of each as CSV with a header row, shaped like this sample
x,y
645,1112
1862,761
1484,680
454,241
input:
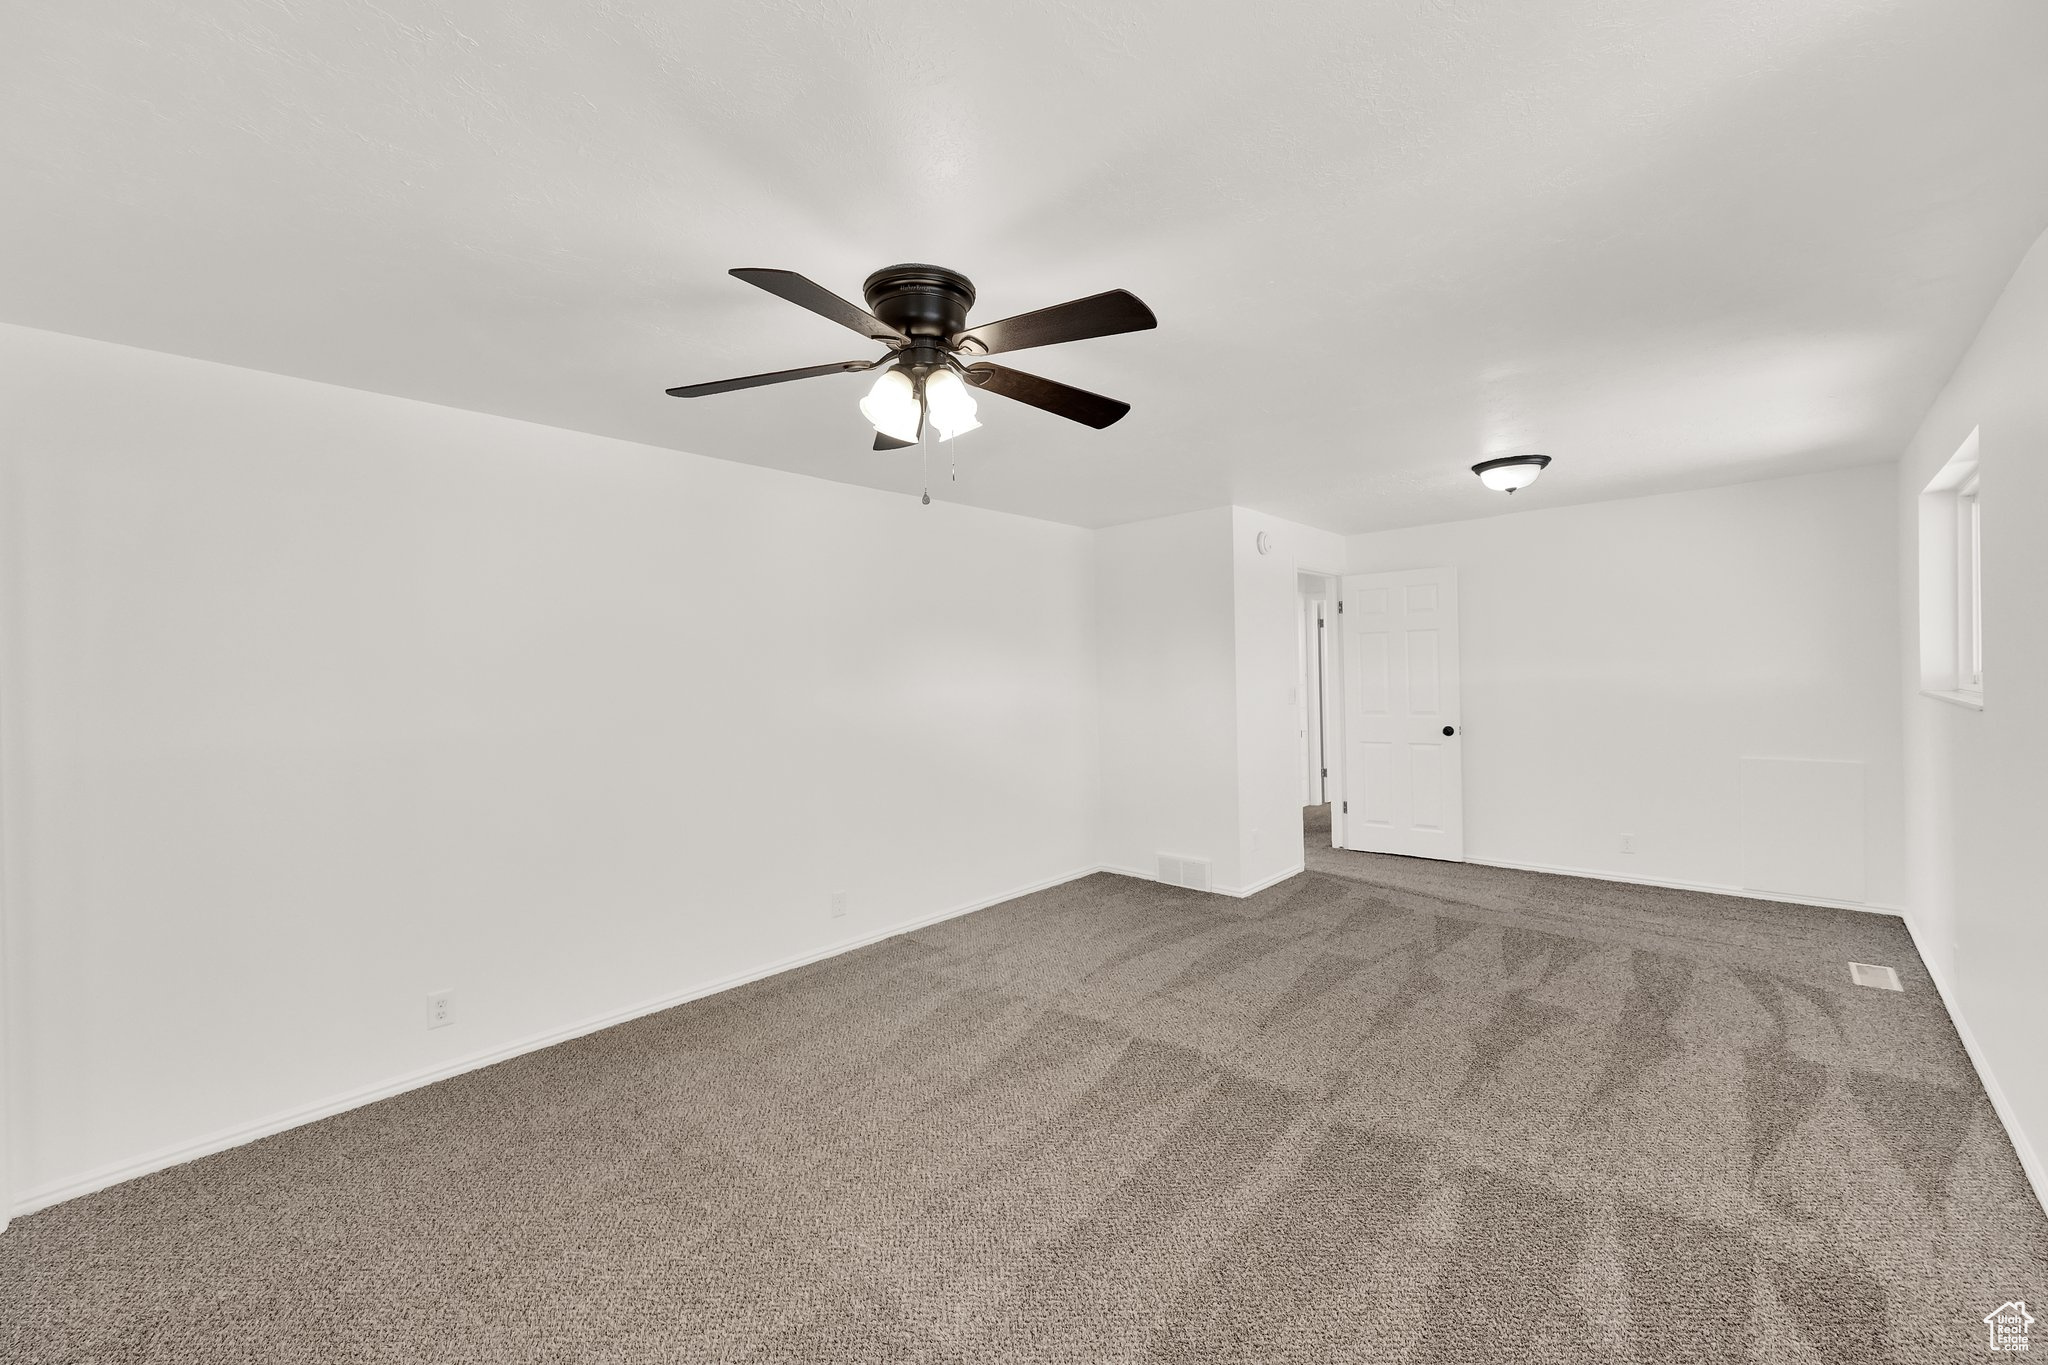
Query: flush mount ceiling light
x,y
1510,472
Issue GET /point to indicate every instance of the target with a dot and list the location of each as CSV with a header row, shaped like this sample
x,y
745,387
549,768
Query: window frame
x,y
1969,589
1951,572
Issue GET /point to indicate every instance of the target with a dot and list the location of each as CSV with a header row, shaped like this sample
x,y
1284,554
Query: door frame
x,y
1312,624
1331,684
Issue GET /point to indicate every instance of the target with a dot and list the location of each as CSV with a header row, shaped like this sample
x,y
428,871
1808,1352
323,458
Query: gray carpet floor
x,y
1387,1111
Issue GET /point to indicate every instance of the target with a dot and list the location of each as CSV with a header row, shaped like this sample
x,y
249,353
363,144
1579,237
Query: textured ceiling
x,y
1668,243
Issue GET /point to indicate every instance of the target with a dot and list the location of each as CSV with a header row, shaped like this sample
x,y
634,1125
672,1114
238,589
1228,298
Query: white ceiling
x,y
1669,243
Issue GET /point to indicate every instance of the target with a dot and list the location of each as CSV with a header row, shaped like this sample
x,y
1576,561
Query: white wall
x,y
318,700
1200,752
1167,651
1620,659
1267,613
1977,781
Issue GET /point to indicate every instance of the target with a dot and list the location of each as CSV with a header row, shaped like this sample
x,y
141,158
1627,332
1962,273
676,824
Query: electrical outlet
x,y
838,905
1628,843
440,1009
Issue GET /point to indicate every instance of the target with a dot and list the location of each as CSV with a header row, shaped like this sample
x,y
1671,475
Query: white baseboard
x,y
1867,907
2030,1160
1235,892
71,1187
1256,887
1130,872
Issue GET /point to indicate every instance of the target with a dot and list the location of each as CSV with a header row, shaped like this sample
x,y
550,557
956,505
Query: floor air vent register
x,y
1877,978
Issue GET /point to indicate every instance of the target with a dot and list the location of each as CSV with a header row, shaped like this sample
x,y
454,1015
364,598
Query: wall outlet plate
x,y
838,905
1628,843
440,1009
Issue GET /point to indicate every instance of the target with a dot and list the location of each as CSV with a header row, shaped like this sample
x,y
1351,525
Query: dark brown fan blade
x,y
787,284
1078,405
1099,315
755,381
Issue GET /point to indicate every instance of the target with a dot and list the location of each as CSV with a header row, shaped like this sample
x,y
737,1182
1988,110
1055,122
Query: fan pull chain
x,y
924,440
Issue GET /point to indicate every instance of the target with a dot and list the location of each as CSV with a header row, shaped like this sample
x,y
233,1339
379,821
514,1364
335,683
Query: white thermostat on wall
x,y
1265,543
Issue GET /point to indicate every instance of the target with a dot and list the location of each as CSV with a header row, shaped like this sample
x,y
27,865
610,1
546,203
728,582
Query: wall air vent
x,y
1192,873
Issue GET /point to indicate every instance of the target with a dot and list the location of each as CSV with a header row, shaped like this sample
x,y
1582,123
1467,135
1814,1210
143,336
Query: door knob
x,y
1450,729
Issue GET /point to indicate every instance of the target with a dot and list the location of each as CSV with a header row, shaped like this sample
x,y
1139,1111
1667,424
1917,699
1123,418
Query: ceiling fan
x,y
920,313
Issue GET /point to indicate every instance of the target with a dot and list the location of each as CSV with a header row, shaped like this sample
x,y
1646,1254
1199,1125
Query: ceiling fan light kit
x,y
1510,472
933,364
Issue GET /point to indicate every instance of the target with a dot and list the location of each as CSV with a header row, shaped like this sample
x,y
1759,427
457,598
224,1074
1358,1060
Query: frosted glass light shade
x,y
1507,474
892,406
950,404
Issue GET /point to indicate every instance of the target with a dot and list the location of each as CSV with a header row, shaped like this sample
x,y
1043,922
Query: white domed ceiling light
x,y
1510,472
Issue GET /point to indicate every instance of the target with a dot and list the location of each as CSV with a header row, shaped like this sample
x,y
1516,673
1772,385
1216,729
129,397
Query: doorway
x,y
1316,699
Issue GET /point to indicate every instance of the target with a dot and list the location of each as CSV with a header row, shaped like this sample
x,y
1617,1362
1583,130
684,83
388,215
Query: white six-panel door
x,y
1401,746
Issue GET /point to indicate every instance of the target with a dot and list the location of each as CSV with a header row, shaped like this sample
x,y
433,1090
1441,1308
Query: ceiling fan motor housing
x,y
920,300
